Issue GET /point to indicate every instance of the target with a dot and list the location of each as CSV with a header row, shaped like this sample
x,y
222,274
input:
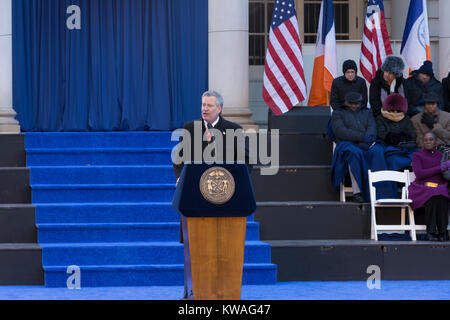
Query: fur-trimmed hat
x,y
395,102
394,65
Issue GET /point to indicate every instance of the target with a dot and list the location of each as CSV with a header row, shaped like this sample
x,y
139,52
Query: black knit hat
x,y
431,97
349,64
426,68
353,97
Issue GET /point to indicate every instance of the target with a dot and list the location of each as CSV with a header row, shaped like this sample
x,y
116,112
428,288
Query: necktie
x,y
210,137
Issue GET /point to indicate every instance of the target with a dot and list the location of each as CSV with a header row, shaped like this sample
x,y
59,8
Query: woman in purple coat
x,y
429,189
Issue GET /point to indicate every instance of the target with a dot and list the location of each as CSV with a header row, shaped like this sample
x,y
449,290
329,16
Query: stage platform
x,y
325,291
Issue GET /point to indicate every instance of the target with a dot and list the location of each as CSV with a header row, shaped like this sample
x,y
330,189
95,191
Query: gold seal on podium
x,y
217,185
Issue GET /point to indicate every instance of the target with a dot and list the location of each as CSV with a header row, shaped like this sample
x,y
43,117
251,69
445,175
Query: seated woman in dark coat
x,y
395,144
388,80
429,189
395,128
349,82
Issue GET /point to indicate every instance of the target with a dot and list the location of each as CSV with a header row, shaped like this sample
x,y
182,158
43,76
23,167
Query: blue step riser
x,y
150,233
108,213
133,255
95,158
94,196
102,175
99,140
146,278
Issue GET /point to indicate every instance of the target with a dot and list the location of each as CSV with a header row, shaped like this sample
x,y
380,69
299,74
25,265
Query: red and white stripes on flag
x,y
284,80
375,45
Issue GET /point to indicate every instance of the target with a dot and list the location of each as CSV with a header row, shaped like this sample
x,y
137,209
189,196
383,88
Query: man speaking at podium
x,y
212,121
207,136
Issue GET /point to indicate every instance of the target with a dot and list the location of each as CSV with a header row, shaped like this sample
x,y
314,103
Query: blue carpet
x,y
103,203
390,290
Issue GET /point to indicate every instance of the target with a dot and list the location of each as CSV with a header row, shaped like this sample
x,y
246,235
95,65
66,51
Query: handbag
x,y
445,157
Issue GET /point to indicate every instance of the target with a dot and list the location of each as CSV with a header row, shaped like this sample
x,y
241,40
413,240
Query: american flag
x,y
375,45
284,79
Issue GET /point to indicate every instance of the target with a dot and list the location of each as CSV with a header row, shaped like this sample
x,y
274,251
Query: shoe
x,y
443,236
432,237
358,198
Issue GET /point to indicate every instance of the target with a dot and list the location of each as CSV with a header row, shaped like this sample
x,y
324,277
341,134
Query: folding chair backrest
x,y
388,175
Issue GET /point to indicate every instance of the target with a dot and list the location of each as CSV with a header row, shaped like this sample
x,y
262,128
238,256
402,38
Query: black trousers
x,y
436,214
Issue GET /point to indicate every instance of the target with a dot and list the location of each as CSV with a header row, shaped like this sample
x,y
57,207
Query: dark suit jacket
x,y
222,126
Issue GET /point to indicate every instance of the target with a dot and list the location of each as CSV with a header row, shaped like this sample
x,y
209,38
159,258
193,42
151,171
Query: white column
x,y
228,58
7,122
444,39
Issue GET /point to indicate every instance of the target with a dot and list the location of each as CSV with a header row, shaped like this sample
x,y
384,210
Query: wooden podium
x,y
214,234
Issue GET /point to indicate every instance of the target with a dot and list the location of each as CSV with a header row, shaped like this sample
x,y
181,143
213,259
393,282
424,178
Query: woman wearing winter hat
x,y
396,141
429,189
388,80
349,82
394,126
422,82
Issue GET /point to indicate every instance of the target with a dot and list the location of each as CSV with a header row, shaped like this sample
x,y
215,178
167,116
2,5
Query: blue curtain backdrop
x,y
134,65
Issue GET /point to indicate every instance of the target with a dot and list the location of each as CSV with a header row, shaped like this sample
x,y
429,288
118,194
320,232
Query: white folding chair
x,y
403,203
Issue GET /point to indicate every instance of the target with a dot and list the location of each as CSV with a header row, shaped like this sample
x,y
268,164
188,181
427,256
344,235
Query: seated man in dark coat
x,y
349,82
446,91
355,131
421,83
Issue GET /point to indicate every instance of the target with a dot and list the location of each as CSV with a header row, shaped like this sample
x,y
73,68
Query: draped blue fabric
x,y
134,65
348,154
377,158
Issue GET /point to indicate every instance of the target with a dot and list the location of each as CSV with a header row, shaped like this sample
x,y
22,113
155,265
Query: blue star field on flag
x,y
284,10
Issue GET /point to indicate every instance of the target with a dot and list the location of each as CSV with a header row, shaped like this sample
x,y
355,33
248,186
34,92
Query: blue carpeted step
x,y
132,212
146,275
73,140
107,212
96,156
102,175
119,232
53,193
133,253
103,202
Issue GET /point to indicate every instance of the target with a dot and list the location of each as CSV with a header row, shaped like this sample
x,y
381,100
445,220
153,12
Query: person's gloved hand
x,y
428,120
403,137
445,165
363,146
368,138
393,139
